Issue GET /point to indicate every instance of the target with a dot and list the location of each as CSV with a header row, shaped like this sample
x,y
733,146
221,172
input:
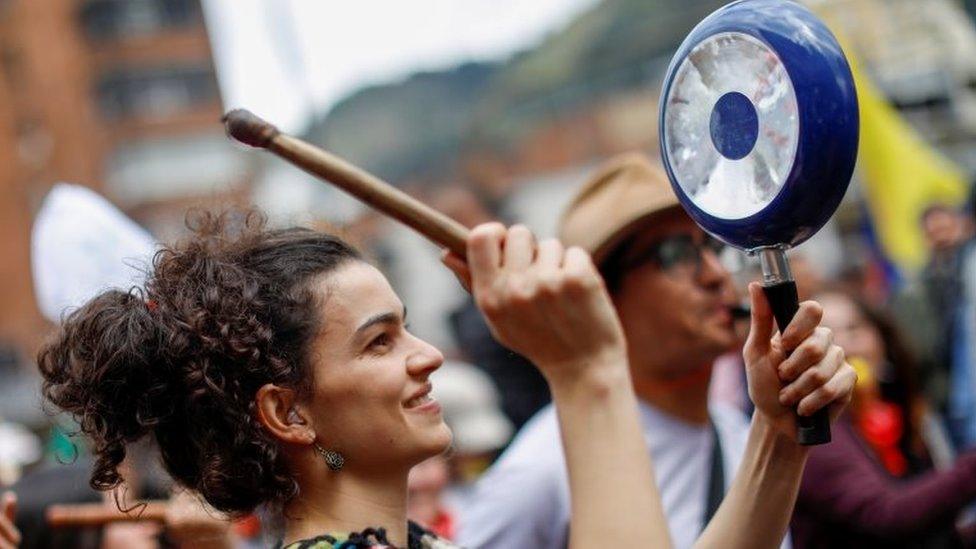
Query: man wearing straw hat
x,y
674,300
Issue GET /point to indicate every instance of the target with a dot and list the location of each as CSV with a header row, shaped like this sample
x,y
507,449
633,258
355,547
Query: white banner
x,y
82,245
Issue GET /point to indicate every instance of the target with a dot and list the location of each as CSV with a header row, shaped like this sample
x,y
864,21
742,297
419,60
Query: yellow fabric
x,y
865,375
901,175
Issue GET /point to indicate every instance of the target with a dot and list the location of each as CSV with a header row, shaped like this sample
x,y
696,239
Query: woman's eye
x,y
380,342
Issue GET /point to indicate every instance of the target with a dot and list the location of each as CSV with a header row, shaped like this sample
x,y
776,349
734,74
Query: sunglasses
x,y
680,251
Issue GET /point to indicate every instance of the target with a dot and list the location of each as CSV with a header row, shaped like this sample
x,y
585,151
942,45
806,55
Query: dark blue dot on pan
x,y
734,126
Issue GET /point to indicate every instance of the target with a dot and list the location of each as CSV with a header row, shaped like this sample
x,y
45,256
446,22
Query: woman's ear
x,y
281,415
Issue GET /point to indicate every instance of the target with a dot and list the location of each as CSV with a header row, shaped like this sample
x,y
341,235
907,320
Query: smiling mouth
x,y
420,398
418,401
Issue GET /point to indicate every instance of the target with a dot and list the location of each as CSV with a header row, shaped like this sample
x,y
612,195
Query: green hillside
x,y
408,129
416,129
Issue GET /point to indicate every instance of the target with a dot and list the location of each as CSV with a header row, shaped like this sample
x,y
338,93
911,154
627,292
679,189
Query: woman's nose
x,y
424,359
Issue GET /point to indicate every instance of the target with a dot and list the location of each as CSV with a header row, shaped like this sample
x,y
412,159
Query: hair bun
x,y
100,370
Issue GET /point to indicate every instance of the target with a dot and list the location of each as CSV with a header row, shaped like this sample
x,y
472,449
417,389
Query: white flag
x,y
82,245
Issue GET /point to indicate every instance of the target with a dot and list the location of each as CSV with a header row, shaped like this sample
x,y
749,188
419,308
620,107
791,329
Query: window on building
x,y
107,19
155,92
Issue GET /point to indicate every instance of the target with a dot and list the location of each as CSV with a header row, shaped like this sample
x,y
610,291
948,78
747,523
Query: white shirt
x,y
523,500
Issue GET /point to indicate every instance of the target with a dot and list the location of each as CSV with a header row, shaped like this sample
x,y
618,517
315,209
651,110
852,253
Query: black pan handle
x,y
783,299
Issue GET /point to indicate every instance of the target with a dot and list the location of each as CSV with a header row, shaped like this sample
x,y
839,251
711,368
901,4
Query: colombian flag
x,y
901,176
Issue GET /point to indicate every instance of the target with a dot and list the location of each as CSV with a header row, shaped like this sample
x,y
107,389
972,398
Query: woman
x,y
274,368
875,484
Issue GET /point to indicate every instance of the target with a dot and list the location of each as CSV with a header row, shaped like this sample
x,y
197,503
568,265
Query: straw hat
x,y
623,193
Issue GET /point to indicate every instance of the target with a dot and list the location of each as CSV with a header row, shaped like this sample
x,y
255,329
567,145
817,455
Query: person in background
x,y
674,300
729,386
874,484
427,485
938,312
961,407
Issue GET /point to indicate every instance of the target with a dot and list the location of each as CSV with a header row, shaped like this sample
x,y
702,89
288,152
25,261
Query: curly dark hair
x,y
222,313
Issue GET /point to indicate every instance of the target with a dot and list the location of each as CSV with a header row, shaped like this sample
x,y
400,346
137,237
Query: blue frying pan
x,y
759,132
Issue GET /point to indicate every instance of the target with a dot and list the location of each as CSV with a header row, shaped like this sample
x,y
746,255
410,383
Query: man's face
x,y
943,229
675,307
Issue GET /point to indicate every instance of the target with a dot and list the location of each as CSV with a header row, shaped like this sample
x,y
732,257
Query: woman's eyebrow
x,y
382,318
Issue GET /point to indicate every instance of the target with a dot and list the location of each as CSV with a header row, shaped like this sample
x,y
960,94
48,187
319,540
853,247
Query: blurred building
x,y
922,54
118,95
156,93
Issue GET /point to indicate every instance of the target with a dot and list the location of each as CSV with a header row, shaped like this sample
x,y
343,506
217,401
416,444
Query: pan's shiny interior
x,y
731,125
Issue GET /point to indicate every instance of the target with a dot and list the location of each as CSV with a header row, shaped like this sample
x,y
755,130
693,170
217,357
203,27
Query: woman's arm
x,y
550,305
615,501
757,510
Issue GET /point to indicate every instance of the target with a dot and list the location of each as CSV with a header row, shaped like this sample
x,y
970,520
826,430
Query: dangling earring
x,y
333,459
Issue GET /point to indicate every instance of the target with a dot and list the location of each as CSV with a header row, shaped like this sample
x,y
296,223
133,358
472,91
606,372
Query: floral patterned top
x,y
372,538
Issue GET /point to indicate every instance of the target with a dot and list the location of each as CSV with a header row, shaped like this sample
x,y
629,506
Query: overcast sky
x,y
278,57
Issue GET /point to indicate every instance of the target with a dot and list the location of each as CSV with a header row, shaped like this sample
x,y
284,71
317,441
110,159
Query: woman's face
x,y
370,397
852,332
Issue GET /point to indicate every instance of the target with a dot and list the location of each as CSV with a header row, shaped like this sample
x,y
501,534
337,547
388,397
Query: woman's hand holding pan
x,y
800,370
